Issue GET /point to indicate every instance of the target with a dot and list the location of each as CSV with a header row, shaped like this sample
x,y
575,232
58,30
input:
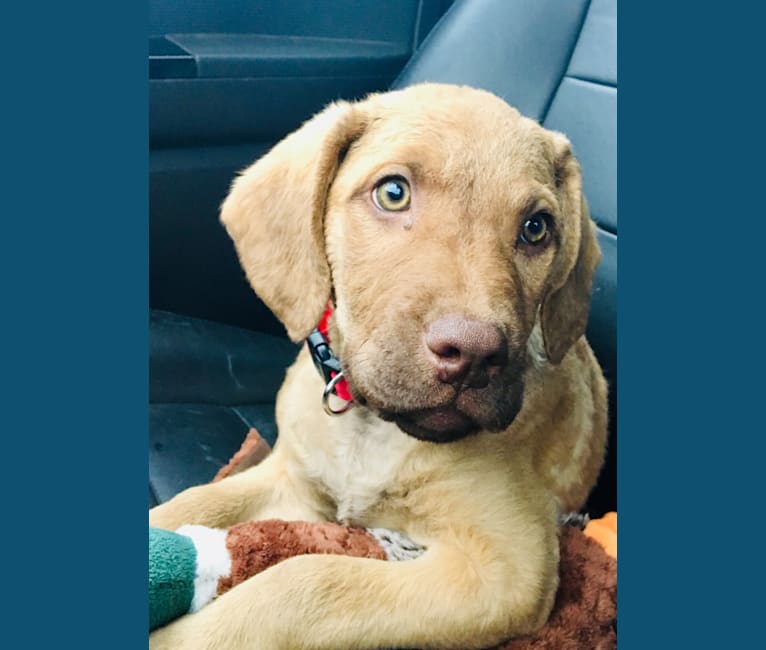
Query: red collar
x,y
324,358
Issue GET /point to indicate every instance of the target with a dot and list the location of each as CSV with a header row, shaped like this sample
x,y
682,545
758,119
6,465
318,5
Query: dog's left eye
x,y
392,194
536,229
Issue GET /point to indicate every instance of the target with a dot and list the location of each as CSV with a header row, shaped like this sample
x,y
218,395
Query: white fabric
x,y
213,562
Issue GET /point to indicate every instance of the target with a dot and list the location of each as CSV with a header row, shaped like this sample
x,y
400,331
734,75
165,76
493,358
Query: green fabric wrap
x,y
172,565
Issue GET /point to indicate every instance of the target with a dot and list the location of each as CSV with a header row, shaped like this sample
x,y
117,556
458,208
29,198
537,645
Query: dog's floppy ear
x,y
564,313
275,215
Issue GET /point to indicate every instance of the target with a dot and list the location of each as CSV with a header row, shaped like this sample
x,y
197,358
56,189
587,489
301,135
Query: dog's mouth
x,y
441,424
457,420
444,413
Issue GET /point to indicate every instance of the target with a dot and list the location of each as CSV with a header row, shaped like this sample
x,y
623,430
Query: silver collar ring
x,y
328,389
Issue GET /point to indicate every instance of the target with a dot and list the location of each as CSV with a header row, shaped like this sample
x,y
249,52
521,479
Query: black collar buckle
x,y
322,355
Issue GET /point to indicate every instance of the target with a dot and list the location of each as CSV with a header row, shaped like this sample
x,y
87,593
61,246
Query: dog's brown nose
x,y
462,349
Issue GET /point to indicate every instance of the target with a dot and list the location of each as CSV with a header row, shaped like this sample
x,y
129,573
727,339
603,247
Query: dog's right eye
x,y
536,229
392,194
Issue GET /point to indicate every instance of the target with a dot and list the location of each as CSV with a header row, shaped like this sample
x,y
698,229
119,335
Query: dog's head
x,y
450,232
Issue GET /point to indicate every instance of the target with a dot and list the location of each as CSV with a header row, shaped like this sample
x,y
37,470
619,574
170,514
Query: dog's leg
x,y
263,491
462,596
218,505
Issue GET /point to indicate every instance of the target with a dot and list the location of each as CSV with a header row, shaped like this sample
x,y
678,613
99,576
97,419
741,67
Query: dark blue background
x,y
690,461
74,324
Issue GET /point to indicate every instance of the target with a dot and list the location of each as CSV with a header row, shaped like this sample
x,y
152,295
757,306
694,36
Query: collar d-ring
x,y
328,389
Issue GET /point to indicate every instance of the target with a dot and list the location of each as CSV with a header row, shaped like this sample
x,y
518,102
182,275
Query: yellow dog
x,y
452,238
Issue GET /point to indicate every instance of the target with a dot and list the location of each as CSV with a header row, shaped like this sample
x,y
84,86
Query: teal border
x,y
690,467
74,323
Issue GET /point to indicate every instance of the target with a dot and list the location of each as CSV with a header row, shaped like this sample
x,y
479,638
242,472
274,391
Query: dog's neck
x,y
324,358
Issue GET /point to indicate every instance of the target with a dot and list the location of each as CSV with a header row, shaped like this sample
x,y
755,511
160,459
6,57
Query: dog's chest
x,y
360,465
